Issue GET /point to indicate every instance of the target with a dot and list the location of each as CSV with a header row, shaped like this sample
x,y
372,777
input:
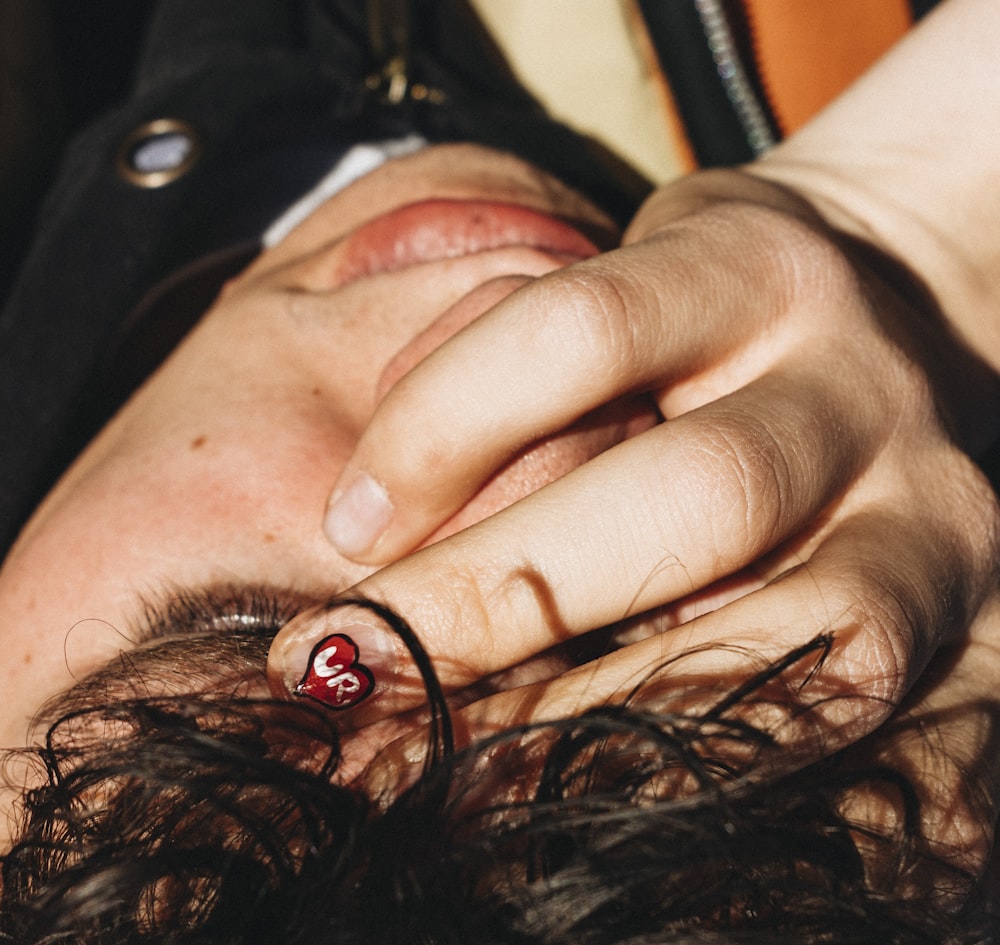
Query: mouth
x,y
433,230
444,229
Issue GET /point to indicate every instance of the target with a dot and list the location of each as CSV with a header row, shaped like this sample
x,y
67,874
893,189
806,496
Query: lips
x,y
438,229
432,230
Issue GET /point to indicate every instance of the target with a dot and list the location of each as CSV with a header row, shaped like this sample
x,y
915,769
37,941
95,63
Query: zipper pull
x,y
389,42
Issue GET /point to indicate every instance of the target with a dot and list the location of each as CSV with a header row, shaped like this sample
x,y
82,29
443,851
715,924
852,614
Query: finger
x,y
944,742
670,511
878,612
647,547
921,792
875,608
556,349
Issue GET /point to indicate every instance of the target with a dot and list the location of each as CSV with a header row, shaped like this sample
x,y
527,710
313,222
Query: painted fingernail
x,y
341,670
335,675
357,518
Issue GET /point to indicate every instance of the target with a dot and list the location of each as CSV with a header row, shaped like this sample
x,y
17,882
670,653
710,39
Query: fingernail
x,y
339,669
356,518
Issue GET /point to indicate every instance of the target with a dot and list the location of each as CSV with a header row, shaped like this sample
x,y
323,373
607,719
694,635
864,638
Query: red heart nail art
x,y
334,676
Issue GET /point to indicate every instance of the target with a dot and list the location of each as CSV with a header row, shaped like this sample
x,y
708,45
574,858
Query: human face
x,y
215,473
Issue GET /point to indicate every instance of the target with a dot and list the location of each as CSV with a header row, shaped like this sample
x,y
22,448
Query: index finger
x,y
634,320
708,494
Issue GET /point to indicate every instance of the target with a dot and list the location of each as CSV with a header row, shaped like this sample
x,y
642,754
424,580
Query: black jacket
x,y
272,91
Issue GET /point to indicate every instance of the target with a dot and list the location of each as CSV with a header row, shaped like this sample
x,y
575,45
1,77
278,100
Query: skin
x,y
819,329
213,472
246,419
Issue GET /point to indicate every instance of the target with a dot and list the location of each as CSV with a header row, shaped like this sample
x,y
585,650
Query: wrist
x,y
945,280
963,376
956,266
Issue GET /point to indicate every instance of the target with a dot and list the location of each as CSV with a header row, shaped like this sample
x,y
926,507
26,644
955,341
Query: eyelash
x,y
259,610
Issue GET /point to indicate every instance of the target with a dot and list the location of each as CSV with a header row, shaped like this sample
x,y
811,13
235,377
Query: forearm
x,y
909,159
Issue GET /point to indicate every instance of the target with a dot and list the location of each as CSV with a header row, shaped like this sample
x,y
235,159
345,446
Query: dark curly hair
x,y
221,818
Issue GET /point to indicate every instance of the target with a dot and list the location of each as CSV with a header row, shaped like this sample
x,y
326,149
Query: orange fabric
x,y
810,50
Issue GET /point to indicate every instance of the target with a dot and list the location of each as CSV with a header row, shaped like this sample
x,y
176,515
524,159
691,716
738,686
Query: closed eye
x,y
217,609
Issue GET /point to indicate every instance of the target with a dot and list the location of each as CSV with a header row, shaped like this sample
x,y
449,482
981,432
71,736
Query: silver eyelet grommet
x,y
158,152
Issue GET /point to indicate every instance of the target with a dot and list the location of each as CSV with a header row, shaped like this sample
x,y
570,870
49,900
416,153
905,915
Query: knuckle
x,y
970,519
900,389
397,459
453,610
972,505
497,609
600,308
740,471
801,263
952,517
882,653
888,620
389,449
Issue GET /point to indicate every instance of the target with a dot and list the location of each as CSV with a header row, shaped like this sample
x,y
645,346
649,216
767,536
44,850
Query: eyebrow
x,y
195,641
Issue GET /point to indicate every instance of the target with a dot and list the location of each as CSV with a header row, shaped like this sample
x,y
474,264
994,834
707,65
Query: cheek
x,y
551,458
207,507
230,502
136,525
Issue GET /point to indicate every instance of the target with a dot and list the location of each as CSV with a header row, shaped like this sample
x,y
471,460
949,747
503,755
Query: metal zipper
x,y
749,110
389,42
